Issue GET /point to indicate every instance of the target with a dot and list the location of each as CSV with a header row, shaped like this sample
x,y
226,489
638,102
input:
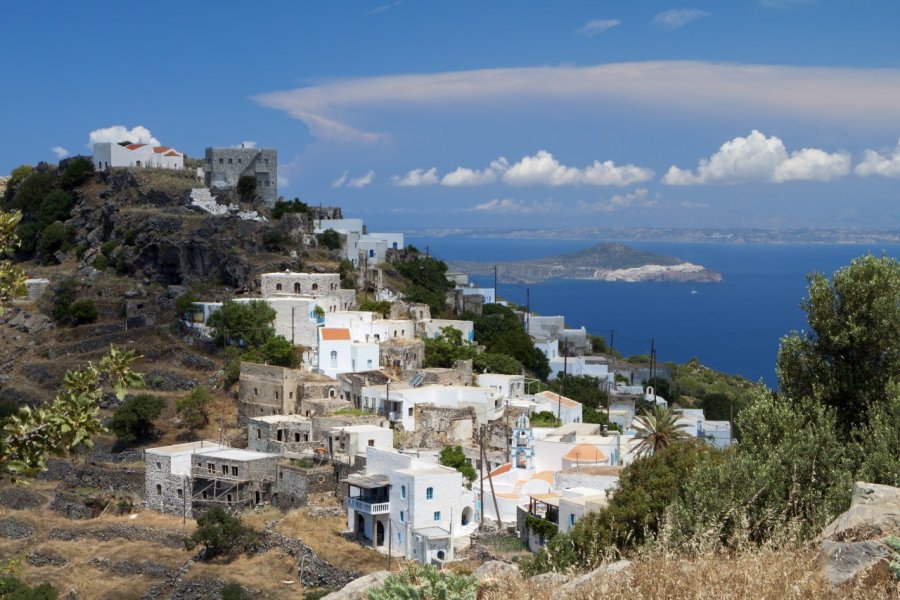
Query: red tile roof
x,y
161,149
559,399
585,453
332,334
172,153
135,146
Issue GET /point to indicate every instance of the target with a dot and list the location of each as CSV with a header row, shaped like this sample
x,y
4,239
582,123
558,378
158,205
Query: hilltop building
x,y
224,167
108,155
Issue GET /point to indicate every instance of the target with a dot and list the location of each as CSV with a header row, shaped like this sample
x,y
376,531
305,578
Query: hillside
x,y
602,262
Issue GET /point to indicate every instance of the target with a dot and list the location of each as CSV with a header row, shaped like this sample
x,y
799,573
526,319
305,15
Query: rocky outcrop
x,y
854,543
358,589
618,573
496,570
15,529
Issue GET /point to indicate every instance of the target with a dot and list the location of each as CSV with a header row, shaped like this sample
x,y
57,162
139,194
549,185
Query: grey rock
x,y
549,580
604,574
874,513
358,588
42,558
17,498
844,561
15,529
174,291
495,570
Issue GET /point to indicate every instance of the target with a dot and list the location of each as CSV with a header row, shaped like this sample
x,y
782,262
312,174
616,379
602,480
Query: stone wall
x,y
284,436
402,354
310,284
266,390
163,492
457,425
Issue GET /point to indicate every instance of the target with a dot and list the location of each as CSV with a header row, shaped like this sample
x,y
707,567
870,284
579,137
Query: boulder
x,y
874,512
358,589
844,561
582,585
496,570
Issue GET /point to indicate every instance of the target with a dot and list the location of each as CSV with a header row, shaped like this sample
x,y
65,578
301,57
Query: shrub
x,y
183,302
100,262
218,532
382,307
82,311
293,206
453,456
12,588
276,241
330,239
133,421
54,237
246,188
418,582
55,206
28,236
233,358
107,248
63,297
492,362
248,324
233,591
77,171
194,407
545,418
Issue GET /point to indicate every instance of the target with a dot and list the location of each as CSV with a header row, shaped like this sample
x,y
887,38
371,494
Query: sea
x,y
734,326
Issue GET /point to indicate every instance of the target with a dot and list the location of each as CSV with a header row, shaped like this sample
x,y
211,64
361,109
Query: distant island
x,y
601,262
809,235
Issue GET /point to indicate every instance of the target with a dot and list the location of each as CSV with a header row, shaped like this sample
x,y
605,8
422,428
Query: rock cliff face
x,y
602,262
161,238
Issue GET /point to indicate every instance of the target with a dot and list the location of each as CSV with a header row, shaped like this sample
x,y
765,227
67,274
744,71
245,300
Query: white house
x,y
431,328
108,155
510,387
365,326
488,293
352,440
402,504
566,409
338,353
398,401
577,502
374,246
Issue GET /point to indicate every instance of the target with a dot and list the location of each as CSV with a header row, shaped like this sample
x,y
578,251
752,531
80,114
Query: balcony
x,y
367,508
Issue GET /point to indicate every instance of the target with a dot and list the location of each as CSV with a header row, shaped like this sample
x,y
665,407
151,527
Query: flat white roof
x,y
187,448
281,419
238,454
359,428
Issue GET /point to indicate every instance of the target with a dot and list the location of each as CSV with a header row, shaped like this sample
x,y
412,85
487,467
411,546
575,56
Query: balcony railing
x,y
367,508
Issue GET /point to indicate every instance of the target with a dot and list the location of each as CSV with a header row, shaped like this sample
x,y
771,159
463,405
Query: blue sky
x,y
414,114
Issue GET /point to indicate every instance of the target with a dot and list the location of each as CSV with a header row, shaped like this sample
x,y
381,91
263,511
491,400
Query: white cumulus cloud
x,y
875,163
678,17
59,151
597,26
541,169
607,173
639,198
513,206
340,181
417,177
120,133
465,176
758,158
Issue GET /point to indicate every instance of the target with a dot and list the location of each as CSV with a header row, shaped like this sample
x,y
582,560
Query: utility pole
x,y
528,311
292,326
508,430
390,541
481,478
563,386
612,357
495,283
653,368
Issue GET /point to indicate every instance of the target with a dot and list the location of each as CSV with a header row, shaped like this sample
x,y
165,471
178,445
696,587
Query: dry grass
x,y
322,535
764,575
267,572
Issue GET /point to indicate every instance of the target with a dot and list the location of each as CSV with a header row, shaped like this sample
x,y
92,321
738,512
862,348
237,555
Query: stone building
x,y
167,476
233,478
280,434
404,355
316,285
224,167
272,390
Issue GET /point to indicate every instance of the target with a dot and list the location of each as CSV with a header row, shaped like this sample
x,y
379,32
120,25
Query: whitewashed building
x,y
431,328
108,155
398,401
338,353
406,505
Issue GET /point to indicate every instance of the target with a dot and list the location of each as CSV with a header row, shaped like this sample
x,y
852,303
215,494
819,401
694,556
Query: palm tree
x,y
656,430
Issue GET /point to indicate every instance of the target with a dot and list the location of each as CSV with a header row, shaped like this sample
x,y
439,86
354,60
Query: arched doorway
x,y
379,533
467,515
360,527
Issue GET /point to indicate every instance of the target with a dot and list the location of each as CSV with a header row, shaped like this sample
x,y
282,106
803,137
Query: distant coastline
x,y
677,235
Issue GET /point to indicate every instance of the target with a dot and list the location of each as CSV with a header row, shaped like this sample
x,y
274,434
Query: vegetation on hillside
x,y
453,456
248,325
499,330
800,451
426,282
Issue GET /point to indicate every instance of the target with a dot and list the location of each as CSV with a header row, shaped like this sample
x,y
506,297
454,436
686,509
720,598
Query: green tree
x,y
219,532
12,279
348,274
243,323
656,430
851,356
445,350
544,418
453,456
77,170
246,188
68,422
428,282
133,421
492,362
275,351
12,588
293,206
382,307
590,391
54,237
330,239
194,407
500,331
83,311
55,206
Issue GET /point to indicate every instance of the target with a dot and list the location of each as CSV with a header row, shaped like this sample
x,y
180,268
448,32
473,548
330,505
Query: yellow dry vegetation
x,y
322,534
274,571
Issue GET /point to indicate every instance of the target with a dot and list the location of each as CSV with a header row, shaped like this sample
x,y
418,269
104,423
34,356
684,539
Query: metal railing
x,y
367,508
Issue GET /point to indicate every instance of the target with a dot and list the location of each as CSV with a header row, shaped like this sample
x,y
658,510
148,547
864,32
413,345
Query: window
x,y
429,493
159,466
334,358
229,161
571,519
437,515
255,392
224,469
234,471
402,517
369,363
399,538
297,288
266,161
221,161
276,395
279,434
239,161
158,489
315,286
402,493
258,433
372,443
180,493
409,411
210,468
277,287
204,494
